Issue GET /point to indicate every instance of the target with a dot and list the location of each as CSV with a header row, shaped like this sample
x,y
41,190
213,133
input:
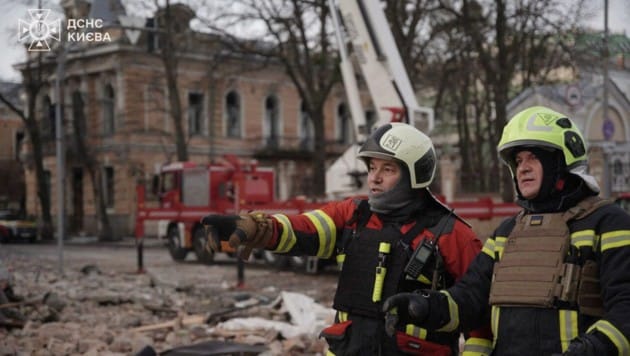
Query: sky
x,y
12,52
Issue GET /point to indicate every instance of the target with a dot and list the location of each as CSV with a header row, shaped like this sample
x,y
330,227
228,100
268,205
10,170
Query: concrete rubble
x,y
91,311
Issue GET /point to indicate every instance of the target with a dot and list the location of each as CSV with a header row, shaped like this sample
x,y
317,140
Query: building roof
x,y
11,91
107,10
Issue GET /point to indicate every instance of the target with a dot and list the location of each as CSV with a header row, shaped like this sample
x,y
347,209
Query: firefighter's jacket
x,y
522,322
345,230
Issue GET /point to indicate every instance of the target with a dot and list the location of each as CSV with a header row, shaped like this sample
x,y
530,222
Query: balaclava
x,y
396,198
558,190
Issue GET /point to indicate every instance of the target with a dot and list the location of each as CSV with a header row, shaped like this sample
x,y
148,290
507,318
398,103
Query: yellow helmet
x,y
542,127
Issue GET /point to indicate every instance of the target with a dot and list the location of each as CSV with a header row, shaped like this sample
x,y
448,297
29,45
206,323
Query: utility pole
x,y
605,55
59,138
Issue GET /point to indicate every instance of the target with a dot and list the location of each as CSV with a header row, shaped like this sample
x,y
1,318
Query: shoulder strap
x,y
585,207
362,213
444,224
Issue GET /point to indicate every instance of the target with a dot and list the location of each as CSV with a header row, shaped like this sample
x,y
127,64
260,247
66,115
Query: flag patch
x,y
536,220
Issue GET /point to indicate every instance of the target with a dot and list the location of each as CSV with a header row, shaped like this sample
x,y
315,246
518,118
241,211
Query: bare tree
x,y
34,74
88,158
479,54
295,34
171,32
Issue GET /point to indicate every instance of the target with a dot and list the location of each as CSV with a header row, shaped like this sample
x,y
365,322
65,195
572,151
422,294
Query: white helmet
x,y
406,144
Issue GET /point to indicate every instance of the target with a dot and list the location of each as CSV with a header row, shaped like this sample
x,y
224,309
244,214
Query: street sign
x,y
132,26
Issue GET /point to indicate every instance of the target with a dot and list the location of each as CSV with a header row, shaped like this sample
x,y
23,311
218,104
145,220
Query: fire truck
x,y
188,191
623,200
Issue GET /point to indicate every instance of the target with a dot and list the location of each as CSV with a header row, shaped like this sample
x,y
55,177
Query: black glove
x,y
594,344
424,308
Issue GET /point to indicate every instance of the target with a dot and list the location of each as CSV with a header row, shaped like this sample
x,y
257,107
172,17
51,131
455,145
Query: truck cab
x,y
623,201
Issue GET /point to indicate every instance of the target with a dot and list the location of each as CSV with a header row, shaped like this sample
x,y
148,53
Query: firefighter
x,y
554,278
399,239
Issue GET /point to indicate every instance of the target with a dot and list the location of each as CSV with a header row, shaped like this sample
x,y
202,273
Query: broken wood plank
x,y
177,322
18,304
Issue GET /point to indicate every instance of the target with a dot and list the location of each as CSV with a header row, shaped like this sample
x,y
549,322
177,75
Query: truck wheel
x,y
178,253
297,262
275,260
199,244
307,264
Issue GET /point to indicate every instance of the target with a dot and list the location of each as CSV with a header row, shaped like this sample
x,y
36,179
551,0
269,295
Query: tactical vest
x,y
540,268
355,290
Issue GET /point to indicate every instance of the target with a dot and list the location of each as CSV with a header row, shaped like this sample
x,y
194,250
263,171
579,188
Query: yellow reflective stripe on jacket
x,y
476,346
326,231
342,316
329,353
568,327
495,246
583,238
453,313
500,245
287,239
616,336
494,324
416,331
615,239
488,248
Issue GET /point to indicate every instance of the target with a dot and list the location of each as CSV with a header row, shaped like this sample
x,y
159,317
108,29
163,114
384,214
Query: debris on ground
x,y
94,310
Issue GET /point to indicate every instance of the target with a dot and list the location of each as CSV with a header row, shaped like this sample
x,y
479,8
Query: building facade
x,y
11,138
116,117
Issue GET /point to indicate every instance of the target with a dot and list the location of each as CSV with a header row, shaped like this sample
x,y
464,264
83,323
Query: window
x,y
306,130
195,113
169,182
343,124
108,183
78,115
153,40
272,122
19,140
233,115
109,117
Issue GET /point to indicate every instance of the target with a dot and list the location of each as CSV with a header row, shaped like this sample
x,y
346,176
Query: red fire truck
x,y
188,191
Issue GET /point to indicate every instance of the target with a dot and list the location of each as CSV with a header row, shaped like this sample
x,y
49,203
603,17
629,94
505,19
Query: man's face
x,y
382,175
529,174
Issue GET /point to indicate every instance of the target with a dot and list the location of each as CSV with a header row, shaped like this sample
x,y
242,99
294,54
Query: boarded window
x,y
233,115
109,113
195,113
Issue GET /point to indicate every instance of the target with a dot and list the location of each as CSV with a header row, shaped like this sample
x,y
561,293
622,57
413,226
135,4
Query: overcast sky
x,y
12,52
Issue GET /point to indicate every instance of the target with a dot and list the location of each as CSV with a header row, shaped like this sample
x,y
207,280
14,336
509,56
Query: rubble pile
x,y
90,311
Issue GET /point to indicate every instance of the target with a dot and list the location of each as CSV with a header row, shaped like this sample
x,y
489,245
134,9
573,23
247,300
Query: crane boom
x,y
365,40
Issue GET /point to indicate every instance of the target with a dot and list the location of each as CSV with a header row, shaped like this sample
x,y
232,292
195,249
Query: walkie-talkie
x,y
424,256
